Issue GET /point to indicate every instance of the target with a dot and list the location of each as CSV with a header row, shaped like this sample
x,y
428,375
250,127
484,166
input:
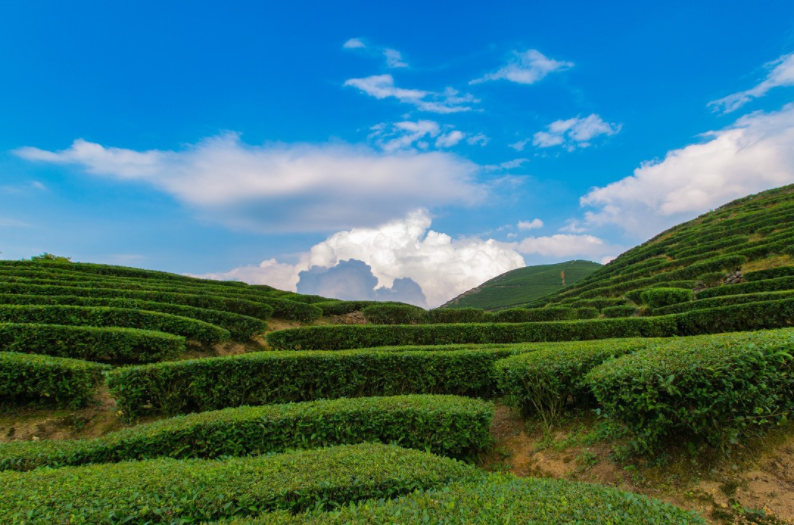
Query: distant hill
x,y
524,285
749,239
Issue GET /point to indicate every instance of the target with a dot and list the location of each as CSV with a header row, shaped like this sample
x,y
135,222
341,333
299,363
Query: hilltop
x,y
524,285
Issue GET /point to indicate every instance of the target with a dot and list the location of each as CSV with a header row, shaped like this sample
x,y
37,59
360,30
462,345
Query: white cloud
x,y
382,87
754,154
507,165
572,133
447,140
562,245
354,43
279,187
403,135
478,139
526,68
530,225
520,145
443,267
781,73
394,58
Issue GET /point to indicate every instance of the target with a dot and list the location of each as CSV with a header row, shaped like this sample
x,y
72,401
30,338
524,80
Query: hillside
x,y
523,285
710,255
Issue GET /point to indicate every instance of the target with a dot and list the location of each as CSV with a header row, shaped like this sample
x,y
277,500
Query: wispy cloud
x,y
282,187
507,165
382,87
572,133
530,225
781,73
421,134
394,59
526,67
756,153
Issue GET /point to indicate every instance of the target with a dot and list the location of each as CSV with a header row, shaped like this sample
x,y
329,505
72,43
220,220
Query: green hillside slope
x,y
712,255
523,285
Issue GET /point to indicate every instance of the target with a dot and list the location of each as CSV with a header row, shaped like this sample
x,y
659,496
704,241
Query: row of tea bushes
x,y
212,302
537,315
499,499
282,308
751,316
547,381
283,377
771,273
195,490
446,425
116,345
241,327
768,285
724,300
102,316
714,388
47,381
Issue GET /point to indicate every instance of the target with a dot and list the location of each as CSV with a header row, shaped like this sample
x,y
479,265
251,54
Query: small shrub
x,y
534,315
619,311
661,297
394,314
456,315
544,382
714,388
47,381
771,273
712,278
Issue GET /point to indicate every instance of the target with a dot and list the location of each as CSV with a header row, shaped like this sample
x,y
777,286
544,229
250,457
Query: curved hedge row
x,y
546,381
458,315
447,425
118,345
342,307
241,327
536,315
394,314
43,380
661,297
282,377
771,273
194,490
499,499
283,308
624,310
212,302
751,316
723,300
712,387
769,285
118,317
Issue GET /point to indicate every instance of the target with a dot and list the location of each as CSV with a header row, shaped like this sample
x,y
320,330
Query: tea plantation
x,y
688,338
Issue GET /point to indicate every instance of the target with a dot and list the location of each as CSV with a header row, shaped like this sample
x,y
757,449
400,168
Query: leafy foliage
x,y
394,314
711,387
194,490
446,425
43,380
661,297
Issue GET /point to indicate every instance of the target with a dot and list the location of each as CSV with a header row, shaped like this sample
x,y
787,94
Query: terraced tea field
x,y
134,396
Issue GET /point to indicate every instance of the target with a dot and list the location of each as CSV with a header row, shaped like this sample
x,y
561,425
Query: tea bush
x,y
47,381
118,345
283,377
661,297
711,387
498,499
394,314
195,490
447,425
624,310
117,317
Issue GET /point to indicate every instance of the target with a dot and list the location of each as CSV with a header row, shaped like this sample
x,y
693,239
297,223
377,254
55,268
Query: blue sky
x,y
437,142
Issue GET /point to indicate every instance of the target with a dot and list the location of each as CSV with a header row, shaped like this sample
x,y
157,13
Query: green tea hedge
x,y
283,377
768,285
213,302
345,337
546,381
47,381
118,317
711,387
534,315
661,297
241,327
771,273
724,300
447,425
342,307
394,314
499,499
194,490
456,315
624,310
117,345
